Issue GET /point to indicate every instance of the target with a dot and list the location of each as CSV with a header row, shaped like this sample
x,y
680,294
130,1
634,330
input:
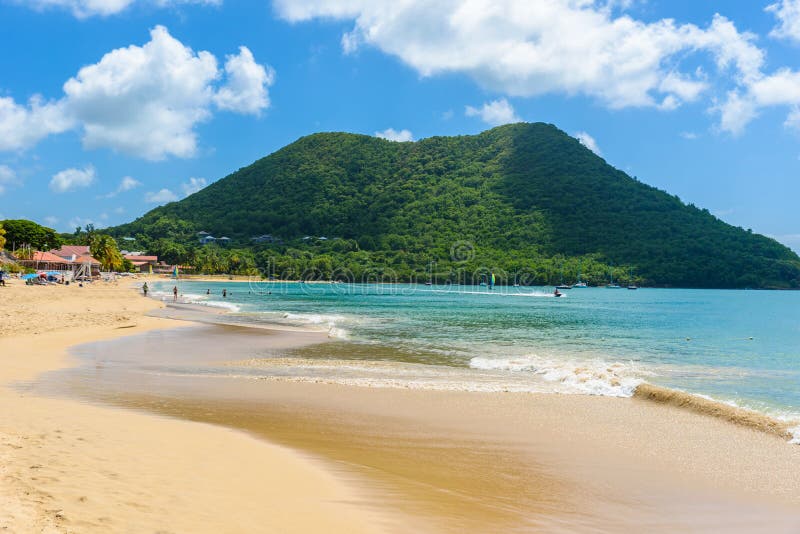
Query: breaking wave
x,y
590,378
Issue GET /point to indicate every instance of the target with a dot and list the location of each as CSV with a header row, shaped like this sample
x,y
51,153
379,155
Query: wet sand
x,y
459,461
67,466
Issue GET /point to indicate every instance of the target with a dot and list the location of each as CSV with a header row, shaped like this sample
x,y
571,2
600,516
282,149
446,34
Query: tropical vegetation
x,y
525,201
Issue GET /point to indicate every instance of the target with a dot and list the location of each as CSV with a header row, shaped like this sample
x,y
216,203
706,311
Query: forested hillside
x,y
521,198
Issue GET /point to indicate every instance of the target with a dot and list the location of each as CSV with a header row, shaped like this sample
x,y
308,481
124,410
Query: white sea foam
x,y
196,299
589,377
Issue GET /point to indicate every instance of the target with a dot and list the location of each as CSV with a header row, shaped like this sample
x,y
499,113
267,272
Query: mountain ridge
x,y
518,193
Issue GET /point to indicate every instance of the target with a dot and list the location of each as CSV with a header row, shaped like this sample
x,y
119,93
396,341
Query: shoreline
x,y
68,466
476,461
746,417
448,460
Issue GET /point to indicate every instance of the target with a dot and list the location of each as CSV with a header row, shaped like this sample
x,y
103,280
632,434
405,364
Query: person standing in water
x,y
175,294
224,293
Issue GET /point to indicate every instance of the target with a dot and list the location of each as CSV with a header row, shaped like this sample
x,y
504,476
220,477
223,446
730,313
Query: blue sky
x,y
110,107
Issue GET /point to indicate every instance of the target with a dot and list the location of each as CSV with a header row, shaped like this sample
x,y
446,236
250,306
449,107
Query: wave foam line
x,y
719,410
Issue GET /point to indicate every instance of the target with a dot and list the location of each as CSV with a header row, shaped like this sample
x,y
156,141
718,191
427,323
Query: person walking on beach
x,y
175,294
145,289
3,278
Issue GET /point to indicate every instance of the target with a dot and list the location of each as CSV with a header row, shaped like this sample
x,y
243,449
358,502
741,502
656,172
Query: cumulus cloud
x,y
589,142
494,113
193,186
22,126
103,8
72,179
788,14
534,47
8,176
160,197
781,88
689,136
126,184
144,101
246,89
391,134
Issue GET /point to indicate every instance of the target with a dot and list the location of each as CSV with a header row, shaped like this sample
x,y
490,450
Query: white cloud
x,y
72,179
781,88
23,126
589,142
788,14
8,176
103,8
160,197
246,89
126,184
79,221
193,186
391,134
51,220
494,113
534,47
691,136
144,101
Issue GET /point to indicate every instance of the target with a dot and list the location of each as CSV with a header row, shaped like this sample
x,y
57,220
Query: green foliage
x,y
526,201
2,236
21,232
105,250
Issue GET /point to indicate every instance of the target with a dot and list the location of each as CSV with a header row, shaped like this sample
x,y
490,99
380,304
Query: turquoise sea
x,y
739,347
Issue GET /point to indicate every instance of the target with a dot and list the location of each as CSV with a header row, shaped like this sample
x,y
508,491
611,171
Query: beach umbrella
x,y
28,276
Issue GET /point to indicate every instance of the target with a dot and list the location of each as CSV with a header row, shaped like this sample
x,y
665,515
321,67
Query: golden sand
x,y
69,467
438,460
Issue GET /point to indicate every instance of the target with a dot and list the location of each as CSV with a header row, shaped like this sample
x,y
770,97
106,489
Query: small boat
x,y
580,284
632,285
563,286
611,284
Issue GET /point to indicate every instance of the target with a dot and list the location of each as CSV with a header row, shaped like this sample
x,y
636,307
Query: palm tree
x,y
104,248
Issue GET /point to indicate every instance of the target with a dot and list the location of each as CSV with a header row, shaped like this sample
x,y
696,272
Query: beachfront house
x,y
205,240
47,261
140,262
83,264
224,241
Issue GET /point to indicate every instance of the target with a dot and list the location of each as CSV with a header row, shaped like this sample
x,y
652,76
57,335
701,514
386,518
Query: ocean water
x,y
739,347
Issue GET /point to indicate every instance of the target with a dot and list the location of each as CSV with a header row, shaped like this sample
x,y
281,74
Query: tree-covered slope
x,y
517,194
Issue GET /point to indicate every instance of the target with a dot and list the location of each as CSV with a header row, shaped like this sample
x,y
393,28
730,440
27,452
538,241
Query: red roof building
x,y
76,254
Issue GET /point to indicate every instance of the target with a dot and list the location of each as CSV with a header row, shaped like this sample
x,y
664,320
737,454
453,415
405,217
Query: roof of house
x,y
48,257
72,250
137,257
139,263
81,253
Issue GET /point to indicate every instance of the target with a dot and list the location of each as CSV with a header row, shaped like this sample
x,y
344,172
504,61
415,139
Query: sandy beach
x,y
66,466
229,455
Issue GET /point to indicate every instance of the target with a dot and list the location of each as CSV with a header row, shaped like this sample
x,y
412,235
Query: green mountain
x,y
521,198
